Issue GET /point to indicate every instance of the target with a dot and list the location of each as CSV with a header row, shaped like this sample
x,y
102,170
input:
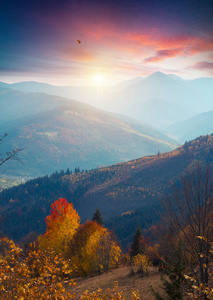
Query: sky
x,y
119,40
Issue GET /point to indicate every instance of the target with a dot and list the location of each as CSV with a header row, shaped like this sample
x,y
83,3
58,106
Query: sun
x,y
98,79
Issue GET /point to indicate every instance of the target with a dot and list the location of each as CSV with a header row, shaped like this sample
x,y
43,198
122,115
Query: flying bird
x,y
79,41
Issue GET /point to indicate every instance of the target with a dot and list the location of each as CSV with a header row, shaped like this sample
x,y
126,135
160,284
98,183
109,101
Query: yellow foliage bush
x,y
41,275
35,276
114,255
92,250
200,290
141,261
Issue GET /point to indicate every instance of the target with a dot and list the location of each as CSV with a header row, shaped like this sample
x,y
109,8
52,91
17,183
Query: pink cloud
x,y
140,45
163,54
172,47
159,42
203,65
98,28
107,43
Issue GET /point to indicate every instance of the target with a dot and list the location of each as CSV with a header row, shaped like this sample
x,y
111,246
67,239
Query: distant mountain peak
x,y
158,75
4,85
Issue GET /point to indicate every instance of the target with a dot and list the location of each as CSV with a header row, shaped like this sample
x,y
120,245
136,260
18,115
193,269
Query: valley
x,y
106,150
57,133
122,164
127,193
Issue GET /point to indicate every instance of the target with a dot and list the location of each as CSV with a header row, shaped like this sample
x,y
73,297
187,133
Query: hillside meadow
x,y
126,283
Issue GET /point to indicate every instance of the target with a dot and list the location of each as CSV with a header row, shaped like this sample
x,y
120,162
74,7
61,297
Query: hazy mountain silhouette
x,y
189,129
161,100
57,133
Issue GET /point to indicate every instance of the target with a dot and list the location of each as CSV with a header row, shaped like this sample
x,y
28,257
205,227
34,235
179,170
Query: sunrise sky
x,y
120,39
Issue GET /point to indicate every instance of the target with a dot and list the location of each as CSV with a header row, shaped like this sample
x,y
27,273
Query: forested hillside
x,y
125,193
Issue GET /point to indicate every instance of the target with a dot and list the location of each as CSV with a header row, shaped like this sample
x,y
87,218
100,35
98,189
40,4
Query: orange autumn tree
x,y
62,224
92,249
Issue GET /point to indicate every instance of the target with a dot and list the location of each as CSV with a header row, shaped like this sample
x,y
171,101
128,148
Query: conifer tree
x,y
175,280
97,217
136,246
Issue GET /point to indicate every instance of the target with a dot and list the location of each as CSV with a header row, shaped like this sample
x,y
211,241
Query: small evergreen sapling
x,y
175,281
136,246
97,217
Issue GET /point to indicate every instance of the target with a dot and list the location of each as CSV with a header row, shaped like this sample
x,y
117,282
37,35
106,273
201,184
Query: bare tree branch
x,y
188,207
11,154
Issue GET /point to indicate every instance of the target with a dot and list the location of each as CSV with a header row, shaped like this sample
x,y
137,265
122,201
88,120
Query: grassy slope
x,y
8,182
126,283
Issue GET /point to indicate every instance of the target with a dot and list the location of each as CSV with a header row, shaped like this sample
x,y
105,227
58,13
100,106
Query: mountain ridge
x,y
200,124
57,132
137,185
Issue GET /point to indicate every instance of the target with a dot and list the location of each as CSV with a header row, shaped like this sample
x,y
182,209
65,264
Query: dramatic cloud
x,y
163,54
131,37
203,65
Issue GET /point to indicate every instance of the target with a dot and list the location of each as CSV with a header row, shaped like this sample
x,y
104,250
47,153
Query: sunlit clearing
x,y
98,79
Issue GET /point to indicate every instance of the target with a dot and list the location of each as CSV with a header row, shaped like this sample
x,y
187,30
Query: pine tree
x,y
174,270
136,246
97,217
77,170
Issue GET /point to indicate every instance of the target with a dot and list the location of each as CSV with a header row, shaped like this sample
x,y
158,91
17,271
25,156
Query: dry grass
x,y
126,283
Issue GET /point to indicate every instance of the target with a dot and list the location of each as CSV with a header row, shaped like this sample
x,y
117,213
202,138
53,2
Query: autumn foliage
x,y
40,275
62,223
92,249
37,275
89,247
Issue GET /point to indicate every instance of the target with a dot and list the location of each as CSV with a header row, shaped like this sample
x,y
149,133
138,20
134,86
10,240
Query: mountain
x,y
89,94
4,85
126,83
201,124
127,194
57,133
203,87
160,100
16,105
67,91
71,92
173,76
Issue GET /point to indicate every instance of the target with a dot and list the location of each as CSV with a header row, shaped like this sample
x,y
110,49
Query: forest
x,y
183,253
175,237
127,194
171,232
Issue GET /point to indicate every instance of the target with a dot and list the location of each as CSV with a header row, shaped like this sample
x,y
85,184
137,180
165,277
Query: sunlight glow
x,y
99,79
